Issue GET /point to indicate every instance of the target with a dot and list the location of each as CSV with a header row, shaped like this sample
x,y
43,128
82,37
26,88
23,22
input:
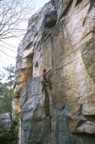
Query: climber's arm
x,y
48,71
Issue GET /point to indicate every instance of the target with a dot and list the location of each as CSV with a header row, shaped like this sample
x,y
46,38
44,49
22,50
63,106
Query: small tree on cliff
x,y
6,89
10,72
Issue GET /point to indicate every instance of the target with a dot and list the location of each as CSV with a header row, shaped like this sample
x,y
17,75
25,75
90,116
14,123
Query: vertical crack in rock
x,y
78,2
67,8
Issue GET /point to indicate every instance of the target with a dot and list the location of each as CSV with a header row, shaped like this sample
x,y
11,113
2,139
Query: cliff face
x,y
60,37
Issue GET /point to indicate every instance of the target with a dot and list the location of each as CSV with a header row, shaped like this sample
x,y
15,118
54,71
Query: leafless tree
x,y
13,13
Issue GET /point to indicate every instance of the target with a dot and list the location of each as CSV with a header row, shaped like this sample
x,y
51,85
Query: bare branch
x,y
13,13
6,54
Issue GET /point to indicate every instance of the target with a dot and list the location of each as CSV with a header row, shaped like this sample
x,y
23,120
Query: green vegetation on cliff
x,y
6,89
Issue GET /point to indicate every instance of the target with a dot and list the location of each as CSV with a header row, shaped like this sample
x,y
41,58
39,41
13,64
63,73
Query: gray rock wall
x,y
35,115
60,39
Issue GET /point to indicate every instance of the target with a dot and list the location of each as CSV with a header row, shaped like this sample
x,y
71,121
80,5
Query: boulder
x,y
8,133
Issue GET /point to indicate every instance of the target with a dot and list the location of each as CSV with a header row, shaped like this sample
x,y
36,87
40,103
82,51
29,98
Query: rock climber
x,y
46,82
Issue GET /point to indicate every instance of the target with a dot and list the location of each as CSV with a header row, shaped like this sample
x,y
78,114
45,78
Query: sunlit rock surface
x,y
60,37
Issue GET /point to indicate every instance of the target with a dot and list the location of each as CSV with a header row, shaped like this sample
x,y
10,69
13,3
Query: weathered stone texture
x,y
35,117
64,43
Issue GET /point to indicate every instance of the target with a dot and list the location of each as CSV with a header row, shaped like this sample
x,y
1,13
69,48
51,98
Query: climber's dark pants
x,y
44,83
